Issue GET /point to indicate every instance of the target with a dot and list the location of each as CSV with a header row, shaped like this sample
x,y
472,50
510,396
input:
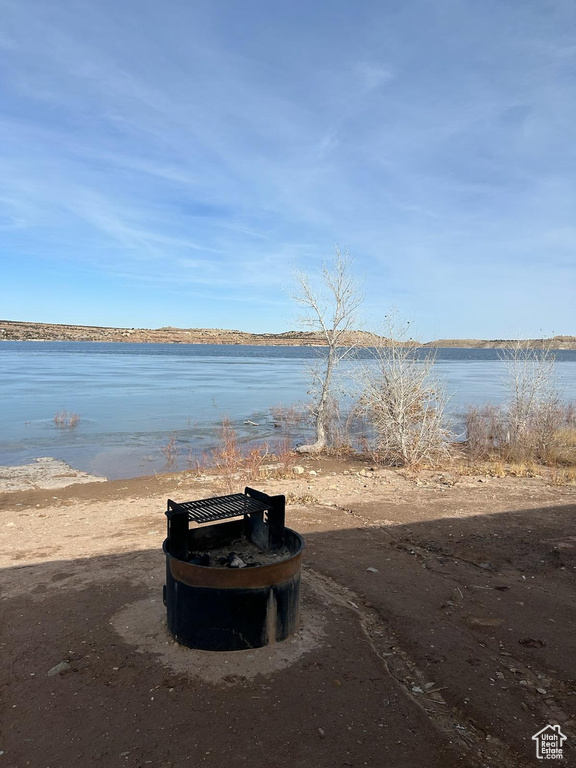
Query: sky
x,y
173,163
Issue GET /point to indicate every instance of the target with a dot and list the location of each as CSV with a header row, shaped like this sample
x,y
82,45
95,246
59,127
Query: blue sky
x,y
172,163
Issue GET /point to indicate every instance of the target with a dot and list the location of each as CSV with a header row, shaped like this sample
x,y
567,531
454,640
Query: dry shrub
x,y
570,416
288,418
199,465
285,456
533,412
227,456
404,403
347,430
171,453
66,420
254,462
494,433
485,431
235,466
532,425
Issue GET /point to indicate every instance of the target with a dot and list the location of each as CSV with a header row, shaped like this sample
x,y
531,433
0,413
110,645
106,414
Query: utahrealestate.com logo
x,y
549,743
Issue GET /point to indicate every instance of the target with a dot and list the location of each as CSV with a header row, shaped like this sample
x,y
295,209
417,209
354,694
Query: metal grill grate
x,y
218,508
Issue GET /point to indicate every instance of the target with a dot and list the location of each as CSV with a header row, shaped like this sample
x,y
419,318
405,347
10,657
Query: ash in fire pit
x,y
240,553
234,585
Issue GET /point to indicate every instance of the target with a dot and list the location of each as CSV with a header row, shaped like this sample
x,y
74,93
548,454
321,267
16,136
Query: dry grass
x,y
562,452
171,452
234,464
546,445
237,465
548,437
303,500
66,420
563,476
496,467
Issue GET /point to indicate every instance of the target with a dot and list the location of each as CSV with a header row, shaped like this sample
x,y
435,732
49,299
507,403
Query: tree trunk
x,y
321,413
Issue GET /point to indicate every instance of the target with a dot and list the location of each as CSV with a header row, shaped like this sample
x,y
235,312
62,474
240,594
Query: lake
x,y
131,398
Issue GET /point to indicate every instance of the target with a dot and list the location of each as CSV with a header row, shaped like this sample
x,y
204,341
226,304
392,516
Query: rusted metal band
x,y
235,578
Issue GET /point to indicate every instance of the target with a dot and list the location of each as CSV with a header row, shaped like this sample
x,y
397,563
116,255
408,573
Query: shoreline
x,y
46,474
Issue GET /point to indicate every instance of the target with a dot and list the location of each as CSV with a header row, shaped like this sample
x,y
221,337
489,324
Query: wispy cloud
x,y
435,140
372,76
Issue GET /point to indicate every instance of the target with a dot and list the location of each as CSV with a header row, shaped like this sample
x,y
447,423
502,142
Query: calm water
x,y
132,397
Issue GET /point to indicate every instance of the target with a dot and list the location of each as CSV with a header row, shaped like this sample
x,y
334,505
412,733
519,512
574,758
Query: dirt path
x,y
453,650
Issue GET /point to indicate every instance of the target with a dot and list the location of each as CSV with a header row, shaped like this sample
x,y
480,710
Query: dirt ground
x,y
437,629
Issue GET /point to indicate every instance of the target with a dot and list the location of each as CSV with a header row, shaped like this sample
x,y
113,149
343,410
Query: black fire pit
x,y
234,585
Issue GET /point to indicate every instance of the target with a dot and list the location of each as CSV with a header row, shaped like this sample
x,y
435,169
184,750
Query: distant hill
x,y
11,330
556,342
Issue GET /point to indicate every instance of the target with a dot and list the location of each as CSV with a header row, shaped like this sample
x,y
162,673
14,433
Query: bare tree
x,y
404,402
331,310
533,411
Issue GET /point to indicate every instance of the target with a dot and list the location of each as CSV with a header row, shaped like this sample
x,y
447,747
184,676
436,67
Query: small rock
x,y
483,621
484,565
542,691
322,733
313,473
64,666
417,689
530,642
235,562
298,470
372,570
435,696
524,706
